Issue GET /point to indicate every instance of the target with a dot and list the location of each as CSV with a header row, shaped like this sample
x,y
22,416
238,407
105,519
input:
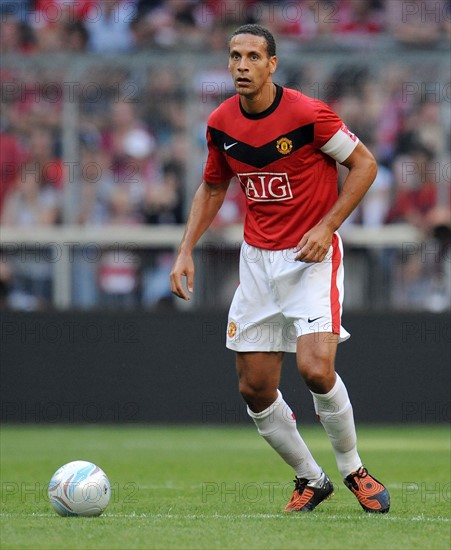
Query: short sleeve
x,y
332,136
327,124
217,169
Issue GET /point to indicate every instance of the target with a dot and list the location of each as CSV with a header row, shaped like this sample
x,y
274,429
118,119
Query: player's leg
x,y
259,376
256,330
316,358
316,363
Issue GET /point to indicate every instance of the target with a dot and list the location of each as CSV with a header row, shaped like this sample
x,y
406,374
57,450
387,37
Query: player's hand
x,y
314,245
183,269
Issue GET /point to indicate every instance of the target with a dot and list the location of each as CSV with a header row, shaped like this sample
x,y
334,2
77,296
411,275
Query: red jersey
x,y
285,160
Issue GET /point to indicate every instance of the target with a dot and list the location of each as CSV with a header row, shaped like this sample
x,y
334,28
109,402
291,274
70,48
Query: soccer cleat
x,y
372,495
306,497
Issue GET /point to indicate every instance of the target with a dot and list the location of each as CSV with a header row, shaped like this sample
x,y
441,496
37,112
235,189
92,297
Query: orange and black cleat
x,y
372,495
306,497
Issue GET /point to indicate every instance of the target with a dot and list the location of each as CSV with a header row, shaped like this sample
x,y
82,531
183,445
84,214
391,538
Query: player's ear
x,y
273,64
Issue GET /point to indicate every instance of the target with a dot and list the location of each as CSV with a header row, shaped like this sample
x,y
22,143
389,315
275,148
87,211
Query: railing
x,y
60,243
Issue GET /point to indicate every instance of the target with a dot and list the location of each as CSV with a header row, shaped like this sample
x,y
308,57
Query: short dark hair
x,y
258,30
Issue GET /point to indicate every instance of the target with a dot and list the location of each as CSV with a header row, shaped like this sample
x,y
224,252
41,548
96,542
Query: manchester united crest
x,y
284,145
231,330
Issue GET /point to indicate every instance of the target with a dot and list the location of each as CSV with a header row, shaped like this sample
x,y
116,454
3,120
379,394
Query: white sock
x,y
277,425
335,413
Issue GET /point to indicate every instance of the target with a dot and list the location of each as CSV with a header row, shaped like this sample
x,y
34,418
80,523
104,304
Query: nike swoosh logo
x,y
315,319
227,147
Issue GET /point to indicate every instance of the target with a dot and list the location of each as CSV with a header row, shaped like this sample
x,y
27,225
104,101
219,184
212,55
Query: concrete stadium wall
x,y
172,367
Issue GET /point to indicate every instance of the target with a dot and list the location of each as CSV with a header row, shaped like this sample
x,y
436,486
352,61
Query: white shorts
x,y
280,299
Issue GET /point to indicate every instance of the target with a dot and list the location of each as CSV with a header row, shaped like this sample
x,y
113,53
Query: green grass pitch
x,y
221,487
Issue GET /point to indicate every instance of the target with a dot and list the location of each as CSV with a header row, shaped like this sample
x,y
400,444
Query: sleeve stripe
x,y
340,145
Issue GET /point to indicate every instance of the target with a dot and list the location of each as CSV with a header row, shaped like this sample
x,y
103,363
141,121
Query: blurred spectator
x,y
11,157
422,276
137,190
37,104
364,17
117,26
164,201
166,113
136,165
123,121
415,188
144,6
31,203
49,37
18,9
49,11
145,192
49,20
76,37
97,181
10,36
108,24
40,155
395,105
153,28
139,174
376,203
119,269
305,20
164,206
417,22
186,26
119,279
167,24
15,36
373,209
429,128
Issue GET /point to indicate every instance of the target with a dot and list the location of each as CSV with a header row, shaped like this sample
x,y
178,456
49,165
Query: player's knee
x,y
316,366
320,378
250,390
255,393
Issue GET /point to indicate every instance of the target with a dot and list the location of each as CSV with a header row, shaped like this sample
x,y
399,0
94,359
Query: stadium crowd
x,y
107,26
134,135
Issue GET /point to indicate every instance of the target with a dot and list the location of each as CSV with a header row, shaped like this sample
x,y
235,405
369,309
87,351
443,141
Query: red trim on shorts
x,y
334,293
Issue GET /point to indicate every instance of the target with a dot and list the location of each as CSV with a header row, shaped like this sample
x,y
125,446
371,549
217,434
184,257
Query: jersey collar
x,y
269,110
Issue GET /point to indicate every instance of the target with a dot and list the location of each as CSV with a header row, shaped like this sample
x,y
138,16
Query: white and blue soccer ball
x,y
79,488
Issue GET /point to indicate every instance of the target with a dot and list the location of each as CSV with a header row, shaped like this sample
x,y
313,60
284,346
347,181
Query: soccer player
x,y
283,148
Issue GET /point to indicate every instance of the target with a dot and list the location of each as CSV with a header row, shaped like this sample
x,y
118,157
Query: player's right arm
x,y
206,204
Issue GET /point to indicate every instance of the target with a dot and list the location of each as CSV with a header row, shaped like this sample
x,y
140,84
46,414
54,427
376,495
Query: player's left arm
x,y
362,167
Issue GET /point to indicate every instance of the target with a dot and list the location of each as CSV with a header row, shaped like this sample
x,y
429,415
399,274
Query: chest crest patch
x,y
284,145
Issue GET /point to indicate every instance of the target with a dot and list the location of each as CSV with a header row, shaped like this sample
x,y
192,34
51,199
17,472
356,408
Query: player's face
x,y
250,65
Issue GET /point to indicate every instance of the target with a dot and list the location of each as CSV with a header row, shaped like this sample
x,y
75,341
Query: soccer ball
x,y
79,488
